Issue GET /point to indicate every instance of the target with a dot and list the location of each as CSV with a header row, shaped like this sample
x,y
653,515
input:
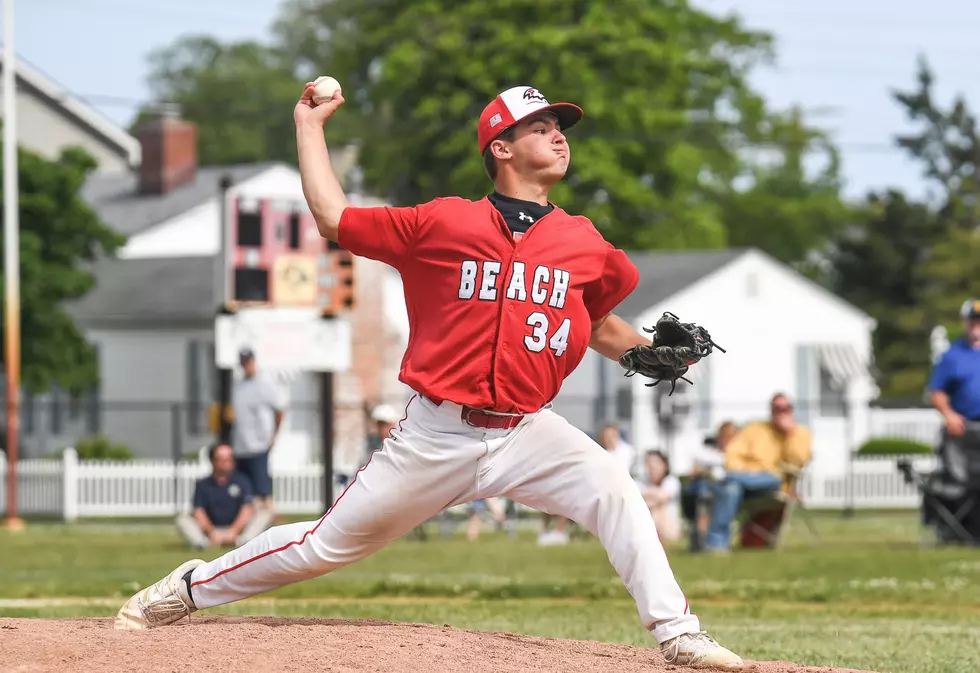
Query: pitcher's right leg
x,y
417,473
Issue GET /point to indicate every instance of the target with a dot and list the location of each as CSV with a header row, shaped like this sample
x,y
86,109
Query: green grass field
x,y
868,597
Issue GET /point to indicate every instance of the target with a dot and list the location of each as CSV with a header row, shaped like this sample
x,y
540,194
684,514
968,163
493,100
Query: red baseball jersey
x,y
495,322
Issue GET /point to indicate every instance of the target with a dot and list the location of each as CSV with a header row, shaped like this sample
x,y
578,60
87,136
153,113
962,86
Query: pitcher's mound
x,y
273,644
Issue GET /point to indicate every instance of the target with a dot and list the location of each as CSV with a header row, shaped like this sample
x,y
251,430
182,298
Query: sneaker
x,y
163,603
699,650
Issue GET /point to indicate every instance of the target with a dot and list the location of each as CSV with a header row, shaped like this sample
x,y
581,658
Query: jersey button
x,y
511,308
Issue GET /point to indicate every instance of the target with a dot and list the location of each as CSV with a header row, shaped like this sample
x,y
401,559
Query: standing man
x,y
955,381
258,410
504,296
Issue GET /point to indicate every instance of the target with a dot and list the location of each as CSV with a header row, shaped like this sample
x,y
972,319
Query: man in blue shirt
x,y
955,382
223,511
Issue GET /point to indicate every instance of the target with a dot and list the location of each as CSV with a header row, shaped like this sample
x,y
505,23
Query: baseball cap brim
x,y
568,115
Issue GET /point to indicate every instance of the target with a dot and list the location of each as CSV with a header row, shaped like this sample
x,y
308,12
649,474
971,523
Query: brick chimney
x,y
169,153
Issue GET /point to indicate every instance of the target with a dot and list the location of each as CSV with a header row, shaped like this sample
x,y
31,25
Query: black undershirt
x,y
519,215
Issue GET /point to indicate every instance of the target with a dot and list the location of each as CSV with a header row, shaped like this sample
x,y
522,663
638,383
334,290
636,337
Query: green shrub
x,y
100,448
892,446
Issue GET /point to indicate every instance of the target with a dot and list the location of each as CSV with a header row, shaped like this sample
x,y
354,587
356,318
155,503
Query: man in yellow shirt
x,y
754,463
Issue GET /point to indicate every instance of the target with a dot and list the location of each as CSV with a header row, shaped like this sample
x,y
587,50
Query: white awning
x,y
843,363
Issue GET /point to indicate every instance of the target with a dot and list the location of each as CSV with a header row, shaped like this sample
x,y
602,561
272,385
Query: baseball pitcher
x,y
504,296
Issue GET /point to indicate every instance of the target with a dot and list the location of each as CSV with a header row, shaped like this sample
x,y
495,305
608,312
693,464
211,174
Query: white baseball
x,y
325,87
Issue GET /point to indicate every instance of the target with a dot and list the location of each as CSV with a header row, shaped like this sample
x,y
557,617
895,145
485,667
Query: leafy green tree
x,y
240,95
946,143
785,210
59,235
669,113
675,151
878,266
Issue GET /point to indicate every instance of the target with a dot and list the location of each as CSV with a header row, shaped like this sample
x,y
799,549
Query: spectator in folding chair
x,y
223,513
707,465
757,462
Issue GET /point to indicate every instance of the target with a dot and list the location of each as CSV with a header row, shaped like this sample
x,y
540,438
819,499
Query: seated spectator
x,y
611,439
223,511
755,463
708,465
477,509
662,493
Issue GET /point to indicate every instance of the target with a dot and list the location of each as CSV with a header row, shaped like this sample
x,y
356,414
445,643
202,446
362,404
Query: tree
x,y
947,145
59,234
784,210
669,114
240,95
911,264
878,266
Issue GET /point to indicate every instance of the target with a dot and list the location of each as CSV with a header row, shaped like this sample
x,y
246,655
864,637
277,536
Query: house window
x,y
28,413
201,384
93,423
57,410
832,399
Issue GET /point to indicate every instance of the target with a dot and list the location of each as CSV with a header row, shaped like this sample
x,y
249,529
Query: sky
x,y
837,59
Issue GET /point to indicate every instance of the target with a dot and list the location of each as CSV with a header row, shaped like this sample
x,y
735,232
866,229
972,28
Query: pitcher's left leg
x,y
554,467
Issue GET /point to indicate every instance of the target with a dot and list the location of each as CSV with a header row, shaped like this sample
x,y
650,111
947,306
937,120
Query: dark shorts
x,y
256,468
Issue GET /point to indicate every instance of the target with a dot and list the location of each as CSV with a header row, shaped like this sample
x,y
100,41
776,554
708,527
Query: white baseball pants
x,y
434,460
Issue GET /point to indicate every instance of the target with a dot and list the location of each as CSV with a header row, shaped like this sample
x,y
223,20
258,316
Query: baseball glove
x,y
676,346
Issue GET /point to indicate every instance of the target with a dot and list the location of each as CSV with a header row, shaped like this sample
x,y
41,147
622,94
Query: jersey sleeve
x,y
942,374
619,277
382,233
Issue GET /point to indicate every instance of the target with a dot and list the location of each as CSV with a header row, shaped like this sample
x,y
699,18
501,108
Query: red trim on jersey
x,y
309,532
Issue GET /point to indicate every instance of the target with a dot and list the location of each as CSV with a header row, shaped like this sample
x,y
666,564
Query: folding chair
x,y
951,493
776,511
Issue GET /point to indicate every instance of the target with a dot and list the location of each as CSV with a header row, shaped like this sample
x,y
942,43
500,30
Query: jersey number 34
x,y
538,338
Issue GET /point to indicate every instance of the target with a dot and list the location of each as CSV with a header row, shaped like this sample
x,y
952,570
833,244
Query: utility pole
x,y
11,261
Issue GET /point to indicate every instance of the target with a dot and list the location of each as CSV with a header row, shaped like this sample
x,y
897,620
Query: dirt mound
x,y
272,644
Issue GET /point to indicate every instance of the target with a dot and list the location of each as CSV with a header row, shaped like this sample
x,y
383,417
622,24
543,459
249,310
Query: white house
x,y
781,332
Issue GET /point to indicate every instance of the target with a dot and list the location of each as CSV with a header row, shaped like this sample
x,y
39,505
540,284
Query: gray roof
x,y
663,274
121,207
131,292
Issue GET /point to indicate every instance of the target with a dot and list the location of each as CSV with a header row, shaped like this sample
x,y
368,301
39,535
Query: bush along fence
x,y
70,488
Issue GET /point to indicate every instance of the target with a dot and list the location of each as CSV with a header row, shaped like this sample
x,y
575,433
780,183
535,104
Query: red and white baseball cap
x,y
514,105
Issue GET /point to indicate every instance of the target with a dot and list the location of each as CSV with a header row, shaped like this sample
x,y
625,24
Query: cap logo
x,y
533,94
494,120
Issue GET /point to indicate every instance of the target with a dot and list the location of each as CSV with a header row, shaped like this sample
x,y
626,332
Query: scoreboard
x,y
277,257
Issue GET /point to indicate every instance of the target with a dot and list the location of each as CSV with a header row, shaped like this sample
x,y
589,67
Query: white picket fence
x,y
70,489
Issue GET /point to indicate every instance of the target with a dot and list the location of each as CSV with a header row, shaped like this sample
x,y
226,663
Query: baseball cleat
x,y
160,604
699,650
